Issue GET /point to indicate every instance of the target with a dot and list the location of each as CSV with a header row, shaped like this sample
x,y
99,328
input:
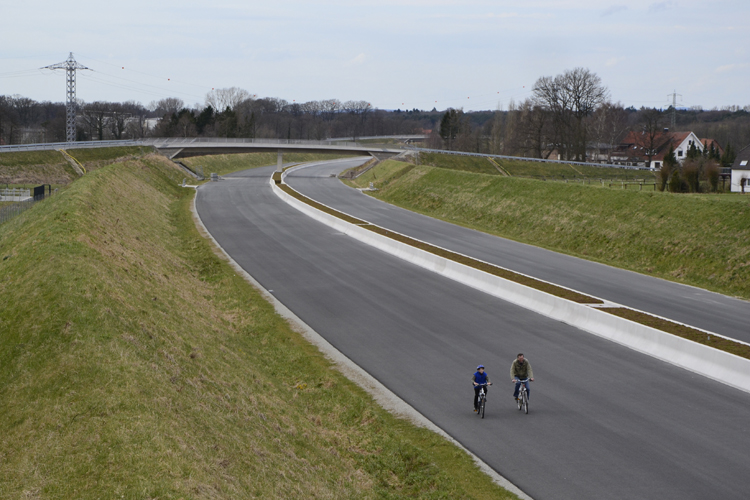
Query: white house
x,y
741,172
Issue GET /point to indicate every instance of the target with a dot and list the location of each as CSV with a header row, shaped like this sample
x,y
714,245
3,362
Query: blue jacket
x,y
481,378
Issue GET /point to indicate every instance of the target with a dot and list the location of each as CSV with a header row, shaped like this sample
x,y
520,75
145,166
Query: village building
x,y
635,148
741,172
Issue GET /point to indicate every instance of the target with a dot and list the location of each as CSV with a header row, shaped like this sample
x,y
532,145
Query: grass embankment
x,y
520,168
701,240
31,168
134,363
24,168
226,164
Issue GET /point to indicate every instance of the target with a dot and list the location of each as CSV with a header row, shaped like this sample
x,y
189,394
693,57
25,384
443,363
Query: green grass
x,y
521,168
88,155
51,167
31,168
27,158
135,363
475,164
226,164
701,240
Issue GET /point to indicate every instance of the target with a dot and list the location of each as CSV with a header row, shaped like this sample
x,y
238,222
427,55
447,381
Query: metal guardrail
x,y
48,146
181,142
520,158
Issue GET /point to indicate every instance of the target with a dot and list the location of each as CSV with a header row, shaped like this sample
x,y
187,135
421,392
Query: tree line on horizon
x,y
565,115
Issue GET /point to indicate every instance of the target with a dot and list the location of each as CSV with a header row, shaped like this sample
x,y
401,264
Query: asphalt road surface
x,y
694,306
605,421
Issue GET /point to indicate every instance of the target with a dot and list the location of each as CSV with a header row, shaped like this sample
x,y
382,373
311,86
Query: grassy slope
x,y
520,168
474,164
50,167
225,164
135,363
700,240
91,156
34,167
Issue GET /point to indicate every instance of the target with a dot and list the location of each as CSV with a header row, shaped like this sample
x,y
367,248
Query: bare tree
x,y
608,125
221,99
651,136
96,117
571,97
167,106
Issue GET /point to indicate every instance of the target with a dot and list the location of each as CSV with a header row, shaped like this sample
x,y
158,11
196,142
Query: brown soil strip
x,y
683,331
462,259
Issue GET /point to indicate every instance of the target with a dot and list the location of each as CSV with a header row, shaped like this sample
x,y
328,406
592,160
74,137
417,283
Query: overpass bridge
x,y
177,147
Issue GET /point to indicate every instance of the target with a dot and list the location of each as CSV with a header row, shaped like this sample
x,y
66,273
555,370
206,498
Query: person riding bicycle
x,y
521,370
480,379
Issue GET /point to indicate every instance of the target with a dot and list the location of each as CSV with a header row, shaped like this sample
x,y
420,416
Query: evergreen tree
x,y
727,159
693,153
668,166
450,126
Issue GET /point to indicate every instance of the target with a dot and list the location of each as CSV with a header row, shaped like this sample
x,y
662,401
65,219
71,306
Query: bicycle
x,y
482,399
523,397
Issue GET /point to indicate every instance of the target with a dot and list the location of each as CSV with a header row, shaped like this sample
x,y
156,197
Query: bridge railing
x,y
183,141
519,158
68,145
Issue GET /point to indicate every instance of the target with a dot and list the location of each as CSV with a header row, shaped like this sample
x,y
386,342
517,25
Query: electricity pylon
x,y
674,96
70,66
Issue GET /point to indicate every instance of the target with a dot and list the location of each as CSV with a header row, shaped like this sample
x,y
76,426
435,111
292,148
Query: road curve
x,y
605,421
718,313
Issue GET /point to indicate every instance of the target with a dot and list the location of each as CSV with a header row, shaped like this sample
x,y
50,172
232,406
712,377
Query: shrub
x,y
675,181
691,174
712,172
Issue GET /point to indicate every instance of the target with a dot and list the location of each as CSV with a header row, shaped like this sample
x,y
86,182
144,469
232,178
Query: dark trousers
x,y
476,394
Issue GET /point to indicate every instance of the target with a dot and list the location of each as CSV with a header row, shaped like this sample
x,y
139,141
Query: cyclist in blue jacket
x,y
480,378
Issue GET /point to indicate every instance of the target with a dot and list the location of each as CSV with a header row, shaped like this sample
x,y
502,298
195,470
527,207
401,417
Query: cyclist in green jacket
x,y
521,370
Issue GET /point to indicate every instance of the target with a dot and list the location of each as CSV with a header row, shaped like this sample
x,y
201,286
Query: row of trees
x,y
570,115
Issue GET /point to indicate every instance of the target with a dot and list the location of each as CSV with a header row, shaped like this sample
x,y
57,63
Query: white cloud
x,y
359,59
731,67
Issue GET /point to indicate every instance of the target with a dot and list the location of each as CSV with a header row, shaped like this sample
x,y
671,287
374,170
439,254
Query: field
x,y
135,363
701,240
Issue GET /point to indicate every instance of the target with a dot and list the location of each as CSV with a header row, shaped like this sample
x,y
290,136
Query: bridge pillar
x,y
279,162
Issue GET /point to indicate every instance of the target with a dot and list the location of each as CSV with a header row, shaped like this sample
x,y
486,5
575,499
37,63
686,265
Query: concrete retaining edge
x,y
715,364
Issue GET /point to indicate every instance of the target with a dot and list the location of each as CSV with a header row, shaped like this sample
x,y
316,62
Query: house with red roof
x,y
649,149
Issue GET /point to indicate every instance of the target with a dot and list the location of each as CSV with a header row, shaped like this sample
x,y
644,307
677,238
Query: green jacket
x,y
521,371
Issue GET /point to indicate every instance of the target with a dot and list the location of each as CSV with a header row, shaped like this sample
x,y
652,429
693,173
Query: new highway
x,y
605,421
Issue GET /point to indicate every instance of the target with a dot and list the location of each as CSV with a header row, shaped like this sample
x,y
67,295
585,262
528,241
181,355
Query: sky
x,y
394,54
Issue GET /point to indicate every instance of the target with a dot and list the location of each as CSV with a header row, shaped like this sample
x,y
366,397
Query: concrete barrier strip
x,y
598,318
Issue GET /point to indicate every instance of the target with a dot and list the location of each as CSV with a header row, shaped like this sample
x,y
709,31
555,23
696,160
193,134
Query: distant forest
x,y
532,128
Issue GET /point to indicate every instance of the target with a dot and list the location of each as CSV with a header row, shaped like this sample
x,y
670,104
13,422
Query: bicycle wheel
x,y
481,407
525,402
519,400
